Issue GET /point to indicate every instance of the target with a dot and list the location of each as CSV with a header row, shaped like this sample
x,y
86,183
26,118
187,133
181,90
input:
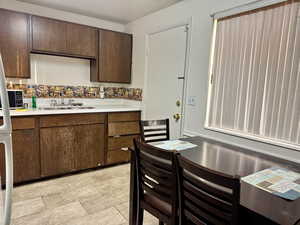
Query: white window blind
x,y
255,88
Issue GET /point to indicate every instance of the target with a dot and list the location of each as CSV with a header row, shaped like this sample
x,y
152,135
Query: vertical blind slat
x,y
256,88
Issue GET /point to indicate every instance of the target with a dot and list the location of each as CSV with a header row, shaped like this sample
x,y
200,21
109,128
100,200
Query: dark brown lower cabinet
x,y
123,127
71,148
57,145
51,145
26,156
117,156
89,149
118,151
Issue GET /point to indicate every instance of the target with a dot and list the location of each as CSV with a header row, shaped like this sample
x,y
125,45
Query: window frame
x,y
235,133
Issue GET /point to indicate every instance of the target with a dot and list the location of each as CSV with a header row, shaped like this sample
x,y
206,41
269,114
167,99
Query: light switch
x,y
192,100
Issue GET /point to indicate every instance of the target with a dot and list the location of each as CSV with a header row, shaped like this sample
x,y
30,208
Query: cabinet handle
x,y
125,149
116,136
99,164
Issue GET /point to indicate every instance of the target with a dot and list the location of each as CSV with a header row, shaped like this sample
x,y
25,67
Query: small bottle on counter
x,y
33,101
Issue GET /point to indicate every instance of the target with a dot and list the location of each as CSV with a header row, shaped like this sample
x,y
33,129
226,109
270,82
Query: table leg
x,y
133,192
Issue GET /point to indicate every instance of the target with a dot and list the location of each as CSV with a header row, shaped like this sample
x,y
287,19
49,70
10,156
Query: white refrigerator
x,y
6,140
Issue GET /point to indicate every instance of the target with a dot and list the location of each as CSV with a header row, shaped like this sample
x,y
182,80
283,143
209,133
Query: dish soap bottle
x,y
33,101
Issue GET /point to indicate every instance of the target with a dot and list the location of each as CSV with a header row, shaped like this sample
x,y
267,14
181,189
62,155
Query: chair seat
x,y
156,203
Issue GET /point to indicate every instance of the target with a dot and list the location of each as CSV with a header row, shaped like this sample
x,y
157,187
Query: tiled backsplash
x,y
53,91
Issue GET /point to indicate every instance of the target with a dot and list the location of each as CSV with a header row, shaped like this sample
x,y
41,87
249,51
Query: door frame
x,y
188,23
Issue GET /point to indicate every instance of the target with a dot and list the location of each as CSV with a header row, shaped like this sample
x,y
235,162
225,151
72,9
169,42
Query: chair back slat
x,y
206,205
208,175
155,184
159,164
153,191
156,173
155,130
164,173
203,215
201,185
206,196
156,154
155,177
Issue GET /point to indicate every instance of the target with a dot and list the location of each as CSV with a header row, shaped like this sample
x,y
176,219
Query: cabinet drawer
x,y
22,123
117,157
123,128
123,116
71,119
117,143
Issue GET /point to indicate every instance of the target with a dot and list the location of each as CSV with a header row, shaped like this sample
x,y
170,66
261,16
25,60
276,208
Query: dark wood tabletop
x,y
234,160
242,162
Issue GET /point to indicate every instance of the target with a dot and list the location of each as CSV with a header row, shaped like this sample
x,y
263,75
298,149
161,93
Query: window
x,y
255,75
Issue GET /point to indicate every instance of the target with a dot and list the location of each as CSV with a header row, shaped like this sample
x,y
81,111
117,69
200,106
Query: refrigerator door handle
x,y
6,139
6,127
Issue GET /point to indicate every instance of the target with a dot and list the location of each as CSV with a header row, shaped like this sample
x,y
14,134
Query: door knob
x,y
176,117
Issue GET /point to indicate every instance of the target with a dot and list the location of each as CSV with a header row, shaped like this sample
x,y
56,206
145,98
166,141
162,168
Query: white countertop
x,y
97,109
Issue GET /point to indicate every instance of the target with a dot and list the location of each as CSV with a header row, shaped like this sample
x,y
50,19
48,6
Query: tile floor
x,y
93,198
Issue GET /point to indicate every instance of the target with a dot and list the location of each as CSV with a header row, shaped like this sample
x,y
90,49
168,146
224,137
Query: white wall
x,y
58,70
197,83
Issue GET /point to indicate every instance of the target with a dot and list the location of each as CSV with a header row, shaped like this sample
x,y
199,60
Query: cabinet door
x,y
115,57
25,155
57,146
14,43
82,40
117,156
89,150
48,35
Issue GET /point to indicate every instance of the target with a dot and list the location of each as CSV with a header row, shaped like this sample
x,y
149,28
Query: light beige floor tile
x,y
54,200
60,215
112,186
33,219
102,202
39,189
110,216
57,216
84,199
124,210
27,207
80,193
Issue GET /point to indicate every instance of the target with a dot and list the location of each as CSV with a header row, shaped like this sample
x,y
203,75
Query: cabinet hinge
x,y
211,78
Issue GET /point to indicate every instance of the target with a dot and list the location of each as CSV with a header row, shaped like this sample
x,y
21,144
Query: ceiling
x,y
122,11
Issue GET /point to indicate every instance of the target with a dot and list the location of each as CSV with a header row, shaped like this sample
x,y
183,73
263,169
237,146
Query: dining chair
x,y
157,183
155,130
206,197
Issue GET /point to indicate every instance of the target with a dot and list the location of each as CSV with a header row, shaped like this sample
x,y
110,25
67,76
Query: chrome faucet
x,y
71,101
54,103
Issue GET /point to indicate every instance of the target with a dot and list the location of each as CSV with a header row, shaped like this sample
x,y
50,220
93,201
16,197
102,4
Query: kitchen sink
x,y
66,107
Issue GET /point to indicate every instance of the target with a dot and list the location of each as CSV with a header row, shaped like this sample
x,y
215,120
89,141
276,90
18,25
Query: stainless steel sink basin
x,y
66,107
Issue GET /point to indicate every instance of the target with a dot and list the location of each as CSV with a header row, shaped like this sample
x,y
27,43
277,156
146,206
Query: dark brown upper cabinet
x,y
82,40
48,35
115,57
14,43
63,38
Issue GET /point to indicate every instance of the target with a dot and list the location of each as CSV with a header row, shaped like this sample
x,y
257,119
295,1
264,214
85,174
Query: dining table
x,y
258,207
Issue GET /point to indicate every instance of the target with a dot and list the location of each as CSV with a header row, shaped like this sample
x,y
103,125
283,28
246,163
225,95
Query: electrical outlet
x,y
192,100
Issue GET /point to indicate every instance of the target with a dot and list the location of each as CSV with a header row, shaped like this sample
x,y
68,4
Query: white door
x,y
165,77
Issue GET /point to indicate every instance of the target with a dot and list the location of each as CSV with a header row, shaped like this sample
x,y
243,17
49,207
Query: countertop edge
x,y
15,113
